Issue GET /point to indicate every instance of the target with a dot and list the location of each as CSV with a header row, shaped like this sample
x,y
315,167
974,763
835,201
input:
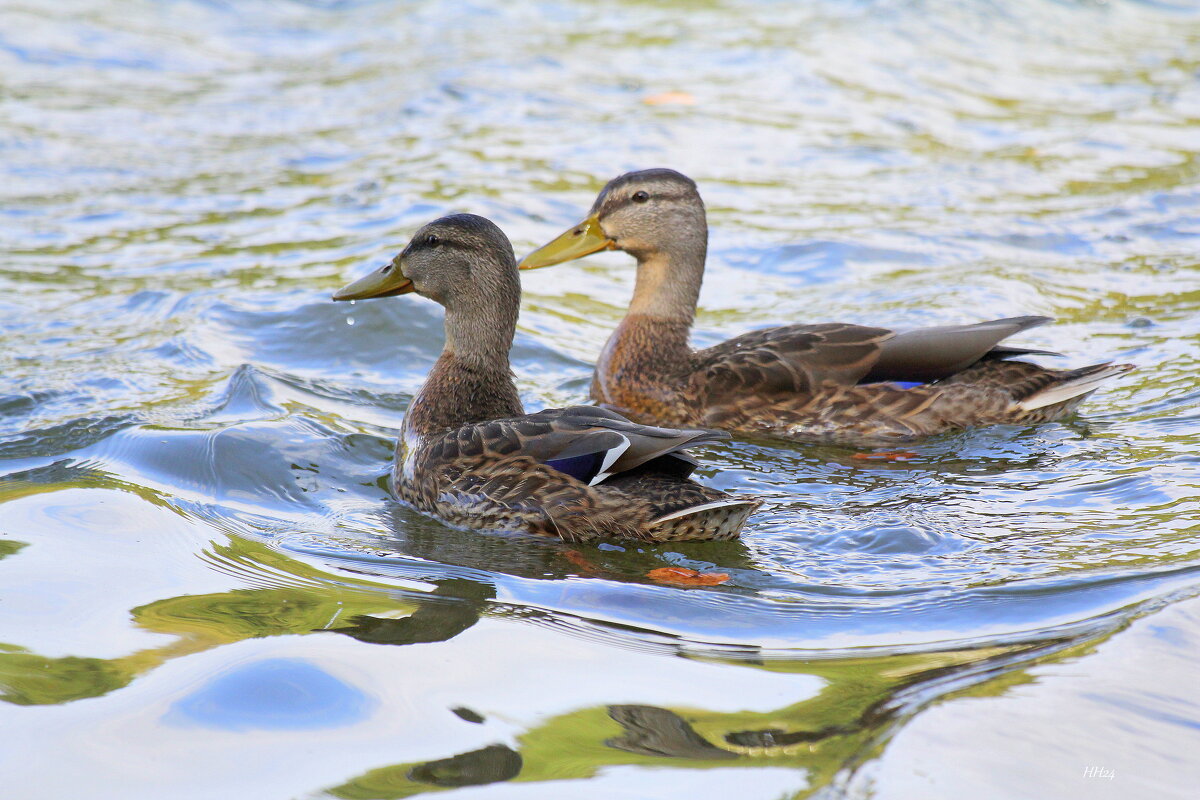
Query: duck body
x,y
543,485
470,456
835,382
831,382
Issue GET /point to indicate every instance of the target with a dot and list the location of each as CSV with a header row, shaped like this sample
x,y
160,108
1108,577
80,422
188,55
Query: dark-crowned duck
x,y
851,384
471,456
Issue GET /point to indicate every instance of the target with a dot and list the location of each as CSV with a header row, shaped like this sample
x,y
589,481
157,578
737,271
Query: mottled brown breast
x,y
644,371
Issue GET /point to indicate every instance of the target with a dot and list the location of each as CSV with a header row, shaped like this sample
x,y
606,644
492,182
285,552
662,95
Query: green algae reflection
x,y
202,622
841,726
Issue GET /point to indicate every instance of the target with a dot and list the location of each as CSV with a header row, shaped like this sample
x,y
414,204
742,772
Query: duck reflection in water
x,y
658,732
861,701
491,764
538,558
447,611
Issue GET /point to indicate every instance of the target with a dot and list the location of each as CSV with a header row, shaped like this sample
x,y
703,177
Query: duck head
x,y
460,261
647,213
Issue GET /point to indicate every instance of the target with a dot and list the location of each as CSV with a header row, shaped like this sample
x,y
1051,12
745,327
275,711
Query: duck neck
x,y
652,342
668,280
472,380
655,333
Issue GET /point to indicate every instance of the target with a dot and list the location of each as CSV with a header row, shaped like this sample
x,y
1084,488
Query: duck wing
x,y
801,358
930,354
787,360
585,442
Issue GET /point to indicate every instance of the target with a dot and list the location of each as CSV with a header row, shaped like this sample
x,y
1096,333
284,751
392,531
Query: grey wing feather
x,y
646,442
930,354
582,430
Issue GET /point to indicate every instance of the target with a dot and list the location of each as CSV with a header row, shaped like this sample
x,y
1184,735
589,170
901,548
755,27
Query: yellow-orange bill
x,y
383,282
586,237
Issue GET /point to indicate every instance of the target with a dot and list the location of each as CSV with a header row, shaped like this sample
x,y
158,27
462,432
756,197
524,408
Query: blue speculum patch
x,y
897,384
583,468
275,694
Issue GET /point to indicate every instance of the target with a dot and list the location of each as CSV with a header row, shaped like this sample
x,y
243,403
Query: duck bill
x,y
585,238
387,281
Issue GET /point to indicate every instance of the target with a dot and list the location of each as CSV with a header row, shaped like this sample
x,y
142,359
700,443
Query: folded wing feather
x,y
592,444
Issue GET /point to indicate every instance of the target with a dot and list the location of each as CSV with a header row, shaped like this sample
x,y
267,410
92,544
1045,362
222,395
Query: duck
x,y
470,456
834,382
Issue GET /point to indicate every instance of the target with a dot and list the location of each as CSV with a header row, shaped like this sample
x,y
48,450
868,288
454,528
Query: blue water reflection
x,y
272,694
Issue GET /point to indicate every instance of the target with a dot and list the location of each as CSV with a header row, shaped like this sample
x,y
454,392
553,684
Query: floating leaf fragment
x,y
670,99
682,576
580,560
892,455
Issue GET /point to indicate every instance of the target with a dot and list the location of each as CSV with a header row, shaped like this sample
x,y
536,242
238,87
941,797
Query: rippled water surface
x,y
205,590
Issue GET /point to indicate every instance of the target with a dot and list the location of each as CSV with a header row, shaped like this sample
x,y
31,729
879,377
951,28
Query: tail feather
x,y
722,519
1077,383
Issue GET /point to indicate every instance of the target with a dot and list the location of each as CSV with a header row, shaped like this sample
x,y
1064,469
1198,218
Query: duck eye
x,y
641,196
433,240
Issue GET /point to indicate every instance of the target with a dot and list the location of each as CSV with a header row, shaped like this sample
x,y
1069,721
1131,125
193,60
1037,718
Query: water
x,y
205,590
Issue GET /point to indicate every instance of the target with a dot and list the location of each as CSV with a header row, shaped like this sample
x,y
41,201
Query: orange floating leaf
x,y
682,576
894,455
670,99
578,559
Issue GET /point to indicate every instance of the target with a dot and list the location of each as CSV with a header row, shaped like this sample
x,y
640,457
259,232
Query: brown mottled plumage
x,y
471,456
827,382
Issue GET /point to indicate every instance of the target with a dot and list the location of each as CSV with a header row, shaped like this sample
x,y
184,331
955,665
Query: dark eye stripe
x,y
612,205
442,242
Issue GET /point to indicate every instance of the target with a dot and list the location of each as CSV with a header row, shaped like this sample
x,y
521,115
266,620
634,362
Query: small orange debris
x,y
894,455
682,576
580,560
670,99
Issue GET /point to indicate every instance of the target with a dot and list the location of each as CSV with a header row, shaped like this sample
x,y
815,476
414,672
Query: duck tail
x,y
722,519
1073,384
